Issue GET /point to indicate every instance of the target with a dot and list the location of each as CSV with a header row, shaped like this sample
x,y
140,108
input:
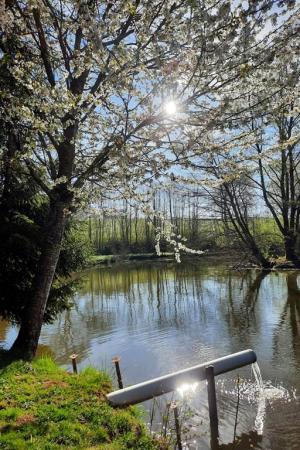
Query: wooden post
x,y
74,362
177,425
116,362
212,406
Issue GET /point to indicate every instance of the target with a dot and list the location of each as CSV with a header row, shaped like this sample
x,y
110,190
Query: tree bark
x,y
259,257
290,249
26,343
240,223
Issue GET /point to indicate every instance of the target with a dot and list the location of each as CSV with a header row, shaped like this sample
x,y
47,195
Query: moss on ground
x,y
42,407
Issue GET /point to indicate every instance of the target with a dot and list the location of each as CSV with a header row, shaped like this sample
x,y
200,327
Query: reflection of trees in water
x,y
242,295
72,333
152,298
289,318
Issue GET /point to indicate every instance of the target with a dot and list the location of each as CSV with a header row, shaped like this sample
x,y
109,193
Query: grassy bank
x,y
42,407
221,257
108,259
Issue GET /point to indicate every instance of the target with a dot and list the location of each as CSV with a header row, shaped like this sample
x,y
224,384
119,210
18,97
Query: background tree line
x,y
200,217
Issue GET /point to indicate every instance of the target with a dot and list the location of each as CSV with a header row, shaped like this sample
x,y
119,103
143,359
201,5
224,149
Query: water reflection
x,y
187,310
289,321
242,308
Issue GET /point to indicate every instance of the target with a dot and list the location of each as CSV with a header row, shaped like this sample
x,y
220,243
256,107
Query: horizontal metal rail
x,y
167,383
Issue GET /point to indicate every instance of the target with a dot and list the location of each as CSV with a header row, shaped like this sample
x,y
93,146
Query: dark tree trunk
x,y
259,257
290,249
26,343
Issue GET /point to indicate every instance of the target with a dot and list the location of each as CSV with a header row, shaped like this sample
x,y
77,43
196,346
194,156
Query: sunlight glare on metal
x,y
187,389
171,107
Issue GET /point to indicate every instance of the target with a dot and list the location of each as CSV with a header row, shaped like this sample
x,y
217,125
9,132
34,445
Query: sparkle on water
x,y
252,391
267,393
187,389
261,393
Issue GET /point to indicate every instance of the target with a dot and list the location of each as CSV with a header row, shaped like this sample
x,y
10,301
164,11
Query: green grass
x,y
106,259
42,407
101,259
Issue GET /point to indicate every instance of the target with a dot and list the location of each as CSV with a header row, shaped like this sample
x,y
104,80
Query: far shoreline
x,y
234,259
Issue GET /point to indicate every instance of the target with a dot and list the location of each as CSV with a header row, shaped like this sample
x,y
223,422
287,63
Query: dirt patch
x,y
52,383
23,420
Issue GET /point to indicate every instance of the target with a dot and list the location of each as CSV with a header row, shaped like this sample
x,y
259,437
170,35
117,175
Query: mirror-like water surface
x,y
161,317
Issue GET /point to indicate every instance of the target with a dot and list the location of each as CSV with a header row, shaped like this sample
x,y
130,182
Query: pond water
x,y
160,317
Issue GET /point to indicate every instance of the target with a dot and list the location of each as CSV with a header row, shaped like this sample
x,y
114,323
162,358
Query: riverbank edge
x,y
279,264
44,407
96,260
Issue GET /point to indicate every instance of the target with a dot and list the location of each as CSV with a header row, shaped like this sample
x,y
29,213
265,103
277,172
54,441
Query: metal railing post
x,y
212,406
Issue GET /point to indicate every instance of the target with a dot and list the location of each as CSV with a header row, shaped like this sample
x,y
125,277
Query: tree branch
x,y
43,47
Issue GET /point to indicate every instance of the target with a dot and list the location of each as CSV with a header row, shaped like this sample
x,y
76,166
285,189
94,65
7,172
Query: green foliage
x,y
23,214
107,236
76,249
44,407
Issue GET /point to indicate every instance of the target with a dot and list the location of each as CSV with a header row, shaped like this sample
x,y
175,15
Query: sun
x,y
170,107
